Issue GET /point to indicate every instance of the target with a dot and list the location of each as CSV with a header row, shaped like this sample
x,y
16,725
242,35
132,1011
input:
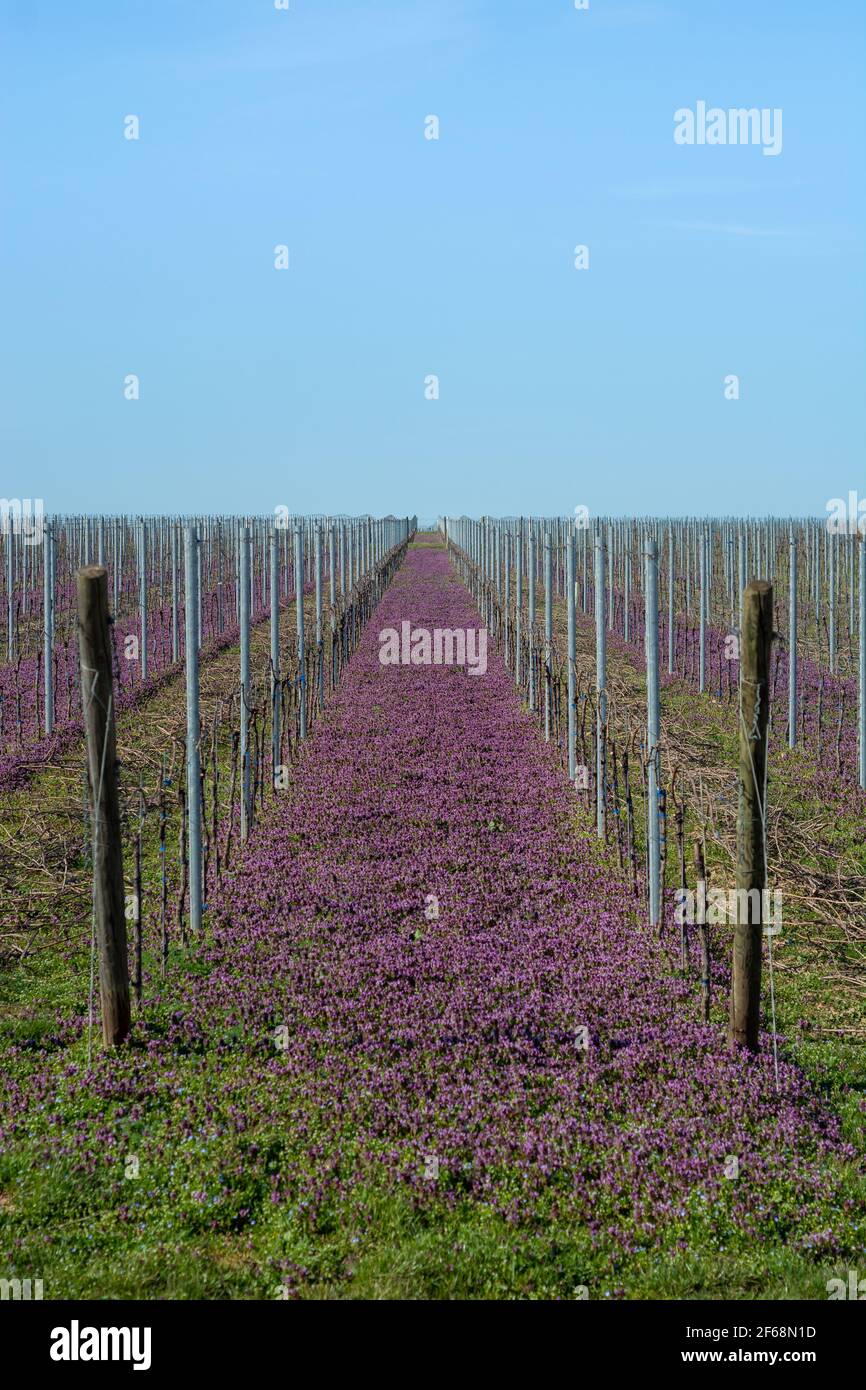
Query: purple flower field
x,y
426,980
456,1037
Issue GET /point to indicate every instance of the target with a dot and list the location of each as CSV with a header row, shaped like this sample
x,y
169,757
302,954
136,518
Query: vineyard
x,y
467,912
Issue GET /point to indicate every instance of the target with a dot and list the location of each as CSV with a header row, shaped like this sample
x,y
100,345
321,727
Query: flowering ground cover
x,y
426,1050
24,747
816,844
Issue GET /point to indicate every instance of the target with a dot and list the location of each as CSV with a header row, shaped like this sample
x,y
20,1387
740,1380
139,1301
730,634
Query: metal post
x,y
142,597
572,653
792,642
600,689
548,636
193,756
518,601
671,600
276,758
831,585
48,624
175,634
702,661
626,590
299,607
530,580
9,531
320,650
862,713
651,591
244,568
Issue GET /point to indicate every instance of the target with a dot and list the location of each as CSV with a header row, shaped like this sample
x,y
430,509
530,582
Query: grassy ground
x,y
144,1232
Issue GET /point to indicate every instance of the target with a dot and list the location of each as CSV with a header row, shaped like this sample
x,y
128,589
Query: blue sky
x,y
411,257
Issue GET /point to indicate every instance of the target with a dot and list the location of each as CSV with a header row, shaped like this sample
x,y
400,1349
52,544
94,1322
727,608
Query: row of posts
x,y
756,633
355,547
489,543
99,718
550,546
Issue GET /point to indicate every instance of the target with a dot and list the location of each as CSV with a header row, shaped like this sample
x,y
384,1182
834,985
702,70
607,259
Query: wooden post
x,y
108,894
756,636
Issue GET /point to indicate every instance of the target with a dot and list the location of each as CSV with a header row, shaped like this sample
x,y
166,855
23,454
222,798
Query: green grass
x,y
114,1236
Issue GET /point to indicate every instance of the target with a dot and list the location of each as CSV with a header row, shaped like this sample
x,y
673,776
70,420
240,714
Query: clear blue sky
x,y
411,256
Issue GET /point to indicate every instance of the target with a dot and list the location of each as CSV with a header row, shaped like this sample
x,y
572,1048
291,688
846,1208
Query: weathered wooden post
x,y
756,635
109,902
